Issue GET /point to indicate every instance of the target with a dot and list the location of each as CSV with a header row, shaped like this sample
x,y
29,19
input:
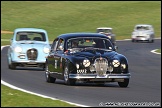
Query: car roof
x,y
29,29
143,25
74,35
104,28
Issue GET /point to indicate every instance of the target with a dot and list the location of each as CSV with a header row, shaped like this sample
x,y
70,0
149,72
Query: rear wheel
x,y
67,80
124,84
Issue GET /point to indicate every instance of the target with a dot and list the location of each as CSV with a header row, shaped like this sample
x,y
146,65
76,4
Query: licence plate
x,y
101,76
31,63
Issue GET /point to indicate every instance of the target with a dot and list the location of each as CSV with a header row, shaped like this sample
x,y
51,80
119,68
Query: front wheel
x,y
151,41
124,84
10,64
48,77
67,80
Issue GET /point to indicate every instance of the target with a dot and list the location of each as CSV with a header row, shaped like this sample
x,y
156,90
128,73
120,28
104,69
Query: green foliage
x,y
81,16
158,50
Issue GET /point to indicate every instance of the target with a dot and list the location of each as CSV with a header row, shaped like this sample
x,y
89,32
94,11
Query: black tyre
x,y
48,77
152,41
124,84
12,66
67,80
44,67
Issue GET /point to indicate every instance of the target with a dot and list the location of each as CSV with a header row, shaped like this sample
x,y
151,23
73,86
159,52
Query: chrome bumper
x,y
95,76
142,38
28,61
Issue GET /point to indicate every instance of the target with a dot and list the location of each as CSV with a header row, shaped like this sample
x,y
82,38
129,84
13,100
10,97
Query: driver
x,y
75,43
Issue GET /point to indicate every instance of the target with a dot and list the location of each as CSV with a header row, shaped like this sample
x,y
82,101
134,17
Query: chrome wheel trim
x,y
66,74
47,75
9,60
46,72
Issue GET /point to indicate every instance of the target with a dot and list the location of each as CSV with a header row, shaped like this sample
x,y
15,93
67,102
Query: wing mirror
x,y
11,40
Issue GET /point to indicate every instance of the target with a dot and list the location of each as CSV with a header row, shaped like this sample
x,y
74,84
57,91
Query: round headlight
x,y
116,63
86,62
46,50
18,49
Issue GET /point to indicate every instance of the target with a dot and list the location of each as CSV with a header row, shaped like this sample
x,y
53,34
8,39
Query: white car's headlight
x,y
18,49
46,49
116,63
86,62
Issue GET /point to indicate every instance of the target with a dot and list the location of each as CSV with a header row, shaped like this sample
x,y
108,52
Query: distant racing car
x,y
143,32
29,48
108,31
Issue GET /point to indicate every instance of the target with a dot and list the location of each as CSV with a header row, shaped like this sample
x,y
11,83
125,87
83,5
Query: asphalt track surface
x,y
144,86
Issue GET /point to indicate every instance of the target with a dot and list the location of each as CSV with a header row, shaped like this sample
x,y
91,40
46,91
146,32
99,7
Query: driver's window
x,y
53,47
60,45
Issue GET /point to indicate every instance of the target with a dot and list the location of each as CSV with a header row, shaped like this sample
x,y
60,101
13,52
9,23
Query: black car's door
x,y
58,56
51,58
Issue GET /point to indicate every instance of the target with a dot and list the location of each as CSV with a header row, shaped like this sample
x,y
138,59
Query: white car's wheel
x,y
10,64
150,40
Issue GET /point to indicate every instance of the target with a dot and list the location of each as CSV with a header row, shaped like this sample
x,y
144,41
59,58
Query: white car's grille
x,y
101,65
32,54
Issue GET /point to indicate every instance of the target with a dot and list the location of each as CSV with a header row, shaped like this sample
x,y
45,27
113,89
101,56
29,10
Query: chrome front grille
x,y
101,65
32,54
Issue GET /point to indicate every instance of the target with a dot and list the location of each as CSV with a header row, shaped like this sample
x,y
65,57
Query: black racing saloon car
x,y
86,57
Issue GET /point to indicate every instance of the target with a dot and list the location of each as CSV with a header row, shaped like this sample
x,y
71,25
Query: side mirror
x,y
11,40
